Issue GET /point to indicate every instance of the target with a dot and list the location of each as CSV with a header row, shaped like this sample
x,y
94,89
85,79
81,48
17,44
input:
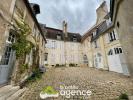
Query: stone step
x,y
16,95
131,97
9,92
5,89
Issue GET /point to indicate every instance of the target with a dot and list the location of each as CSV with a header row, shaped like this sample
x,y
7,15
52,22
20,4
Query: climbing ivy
x,y
22,46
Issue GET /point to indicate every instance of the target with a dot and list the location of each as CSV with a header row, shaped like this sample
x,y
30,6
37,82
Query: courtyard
x,y
103,84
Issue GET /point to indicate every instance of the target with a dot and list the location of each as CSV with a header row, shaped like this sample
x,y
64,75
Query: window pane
x,y
120,50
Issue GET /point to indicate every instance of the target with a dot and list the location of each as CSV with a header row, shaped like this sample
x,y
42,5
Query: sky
x,y
79,14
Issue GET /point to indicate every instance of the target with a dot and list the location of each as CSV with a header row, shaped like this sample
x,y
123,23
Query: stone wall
x,y
9,12
63,52
124,26
5,16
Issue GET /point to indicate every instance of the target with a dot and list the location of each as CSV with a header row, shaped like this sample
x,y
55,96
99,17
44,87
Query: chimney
x,y
101,11
35,8
65,28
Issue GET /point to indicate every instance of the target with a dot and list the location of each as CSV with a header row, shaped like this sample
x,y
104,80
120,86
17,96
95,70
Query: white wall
x,y
60,51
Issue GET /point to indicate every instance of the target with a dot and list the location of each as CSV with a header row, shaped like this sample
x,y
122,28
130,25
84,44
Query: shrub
x,y
123,96
57,65
36,75
23,68
46,64
62,65
72,65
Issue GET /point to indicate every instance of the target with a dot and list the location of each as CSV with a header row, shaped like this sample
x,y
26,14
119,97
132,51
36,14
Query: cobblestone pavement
x,y
103,84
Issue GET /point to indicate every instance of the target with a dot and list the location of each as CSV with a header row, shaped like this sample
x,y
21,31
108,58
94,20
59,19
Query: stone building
x,y
105,50
96,50
121,16
62,48
12,13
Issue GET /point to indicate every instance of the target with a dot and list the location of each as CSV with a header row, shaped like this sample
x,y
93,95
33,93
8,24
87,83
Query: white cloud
x,y
80,15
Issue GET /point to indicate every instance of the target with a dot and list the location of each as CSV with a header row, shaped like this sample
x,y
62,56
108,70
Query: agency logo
x,y
73,90
65,91
47,92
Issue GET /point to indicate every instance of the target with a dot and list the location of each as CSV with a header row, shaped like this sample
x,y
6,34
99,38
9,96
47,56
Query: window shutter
x,y
107,38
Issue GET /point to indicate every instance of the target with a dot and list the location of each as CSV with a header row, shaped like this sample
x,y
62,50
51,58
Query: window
x,y
85,59
46,57
53,45
95,44
6,56
58,37
108,22
112,36
118,24
74,39
11,38
94,33
118,50
110,52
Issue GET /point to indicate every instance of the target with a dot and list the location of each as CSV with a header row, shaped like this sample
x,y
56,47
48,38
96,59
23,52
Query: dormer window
x,y
108,21
74,38
58,37
95,44
94,33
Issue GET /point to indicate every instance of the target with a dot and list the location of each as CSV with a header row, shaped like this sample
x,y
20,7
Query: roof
x,y
34,18
90,31
103,28
51,33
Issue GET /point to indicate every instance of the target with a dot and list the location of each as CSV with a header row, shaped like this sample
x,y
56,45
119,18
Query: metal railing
x,y
101,29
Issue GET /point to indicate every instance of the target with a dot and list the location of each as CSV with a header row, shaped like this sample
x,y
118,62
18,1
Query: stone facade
x,y
61,48
9,12
102,45
121,12
5,16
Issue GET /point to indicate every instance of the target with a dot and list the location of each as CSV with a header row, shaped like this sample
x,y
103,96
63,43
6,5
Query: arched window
x,y
110,52
85,59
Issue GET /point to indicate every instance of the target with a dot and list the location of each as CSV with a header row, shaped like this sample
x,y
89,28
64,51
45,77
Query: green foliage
x,y
23,68
35,76
23,28
57,65
72,65
46,64
123,96
49,90
37,73
62,65
22,45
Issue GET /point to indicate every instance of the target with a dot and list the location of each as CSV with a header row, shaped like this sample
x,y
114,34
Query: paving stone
x,y
104,85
